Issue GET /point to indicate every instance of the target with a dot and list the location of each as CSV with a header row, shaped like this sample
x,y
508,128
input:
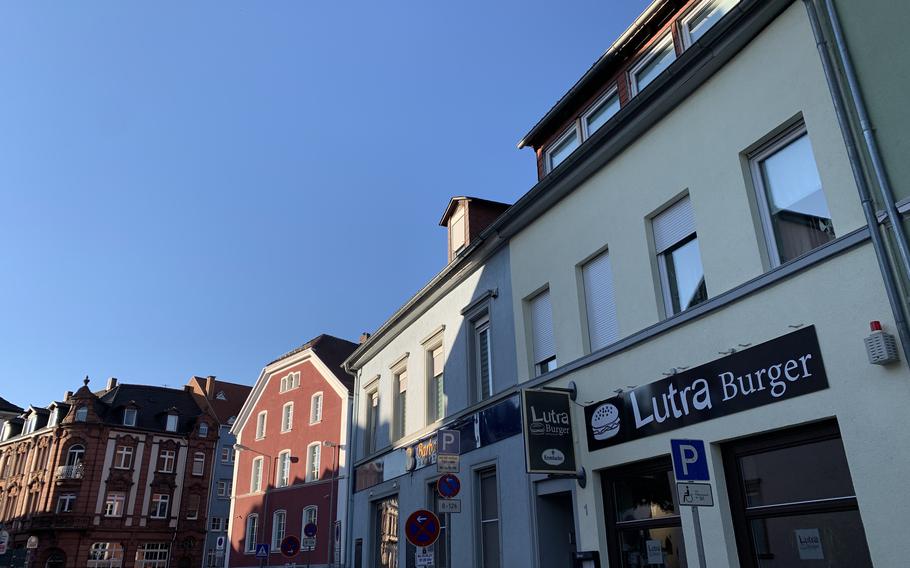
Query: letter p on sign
x,y
690,461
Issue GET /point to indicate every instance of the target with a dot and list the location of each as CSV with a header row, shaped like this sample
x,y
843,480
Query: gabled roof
x,y
333,351
7,406
234,395
453,203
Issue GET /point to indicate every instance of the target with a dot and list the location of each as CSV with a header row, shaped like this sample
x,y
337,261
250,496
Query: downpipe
x,y
878,243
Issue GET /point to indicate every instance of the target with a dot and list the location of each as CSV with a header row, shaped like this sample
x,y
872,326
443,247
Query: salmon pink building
x,y
291,458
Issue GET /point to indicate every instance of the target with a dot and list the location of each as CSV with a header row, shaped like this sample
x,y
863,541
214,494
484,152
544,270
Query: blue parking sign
x,y
690,461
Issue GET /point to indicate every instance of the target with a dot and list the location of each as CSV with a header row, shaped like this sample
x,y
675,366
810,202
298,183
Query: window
x,y
312,462
192,506
30,424
702,18
310,515
600,301
105,555
439,547
227,454
279,528
256,476
542,344
252,532
82,414
790,197
198,463
284,468
651,65
401,404
124,457
152,555
129,416
223,488
489,519
203,430
75,454
792,500
562,148
289,381
437,399
682,277
171,425
642,514
600,113
215,524
287,417
54,418
166,461
66,502
316,408
113,503
385,536
483,357
457,229
260,425
160,502
372,423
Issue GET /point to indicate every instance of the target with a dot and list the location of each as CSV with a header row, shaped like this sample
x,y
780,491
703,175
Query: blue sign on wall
x,y
690,462
262,550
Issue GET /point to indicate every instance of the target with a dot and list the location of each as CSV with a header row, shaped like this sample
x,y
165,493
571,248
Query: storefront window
x,y
643,525
793,501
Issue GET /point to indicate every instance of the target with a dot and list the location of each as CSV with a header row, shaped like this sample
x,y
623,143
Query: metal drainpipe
x,y
878,167
878,243
351,456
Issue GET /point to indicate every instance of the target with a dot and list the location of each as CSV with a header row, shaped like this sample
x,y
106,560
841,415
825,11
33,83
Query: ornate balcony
x,y
50,521
70,471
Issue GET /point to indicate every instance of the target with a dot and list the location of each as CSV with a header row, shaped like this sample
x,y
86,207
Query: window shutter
x,y
542,327
600,301
437,362
673,225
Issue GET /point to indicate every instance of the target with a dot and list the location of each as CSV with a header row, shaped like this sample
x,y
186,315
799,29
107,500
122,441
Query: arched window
x,y
316,408
105,555
203,430
312,461
310,514
81,413
252,531
279,528
283,475
75,455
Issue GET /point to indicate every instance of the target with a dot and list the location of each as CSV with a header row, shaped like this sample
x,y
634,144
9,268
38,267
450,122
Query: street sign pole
x,y
699,544
448,542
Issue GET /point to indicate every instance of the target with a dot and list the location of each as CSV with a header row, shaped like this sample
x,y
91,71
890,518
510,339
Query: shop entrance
x,y
555,529
793,502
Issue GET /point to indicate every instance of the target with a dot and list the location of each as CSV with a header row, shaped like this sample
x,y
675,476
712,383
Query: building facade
x,y
224,400
711,274
291,460
444,360
115,478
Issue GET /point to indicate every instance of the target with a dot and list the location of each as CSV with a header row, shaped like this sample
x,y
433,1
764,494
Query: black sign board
x,y
780,369
549,446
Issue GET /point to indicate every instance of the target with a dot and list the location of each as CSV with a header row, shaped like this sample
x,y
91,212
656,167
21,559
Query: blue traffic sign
x,y
309,530
422,528
690,461
290,546
262,550
448,486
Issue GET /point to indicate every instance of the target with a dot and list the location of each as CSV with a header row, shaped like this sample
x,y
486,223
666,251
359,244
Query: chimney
x,y
466,218
188,388
363,337
210,387
68,395
111,383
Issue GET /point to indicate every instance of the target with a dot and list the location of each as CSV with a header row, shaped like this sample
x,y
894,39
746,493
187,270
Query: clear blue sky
x,y
197,187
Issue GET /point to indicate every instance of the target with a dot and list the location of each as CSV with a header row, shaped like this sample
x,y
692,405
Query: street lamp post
x,y
334,446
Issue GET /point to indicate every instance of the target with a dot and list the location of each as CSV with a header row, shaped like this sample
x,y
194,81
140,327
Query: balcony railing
x,y
49,521
69,471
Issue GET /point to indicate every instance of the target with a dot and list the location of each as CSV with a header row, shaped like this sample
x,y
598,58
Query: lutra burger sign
x,y
782,368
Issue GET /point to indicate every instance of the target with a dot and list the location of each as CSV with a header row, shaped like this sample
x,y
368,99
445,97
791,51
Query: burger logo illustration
x,y
605,422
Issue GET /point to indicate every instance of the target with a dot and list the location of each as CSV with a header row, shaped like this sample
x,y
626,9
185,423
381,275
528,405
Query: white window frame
x,y
400,411
256,474
130,416
123,458
611,92
313,460
204,430
538,360
684,22
54,417
589,305
287,417
66,502
221,488
114,503
168,458
251,533
311,511
316,402
645,59
480,325
372,419
159,501
227,455
278,535
548,161
434,413
262,420
215,524
105,555
172,423
663,272
199,463
283,471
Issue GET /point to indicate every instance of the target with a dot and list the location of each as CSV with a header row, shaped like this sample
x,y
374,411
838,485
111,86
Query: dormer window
x,y
82,414
171,424
203,430
563,147
702,18
652,64
55,416
129,416
30,424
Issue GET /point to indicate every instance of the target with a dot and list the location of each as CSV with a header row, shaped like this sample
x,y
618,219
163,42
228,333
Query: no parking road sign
x,y
422,528
448,486
290,546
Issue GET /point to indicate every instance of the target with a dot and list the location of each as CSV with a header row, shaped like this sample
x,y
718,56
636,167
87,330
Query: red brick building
x,y
292,459
110,479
